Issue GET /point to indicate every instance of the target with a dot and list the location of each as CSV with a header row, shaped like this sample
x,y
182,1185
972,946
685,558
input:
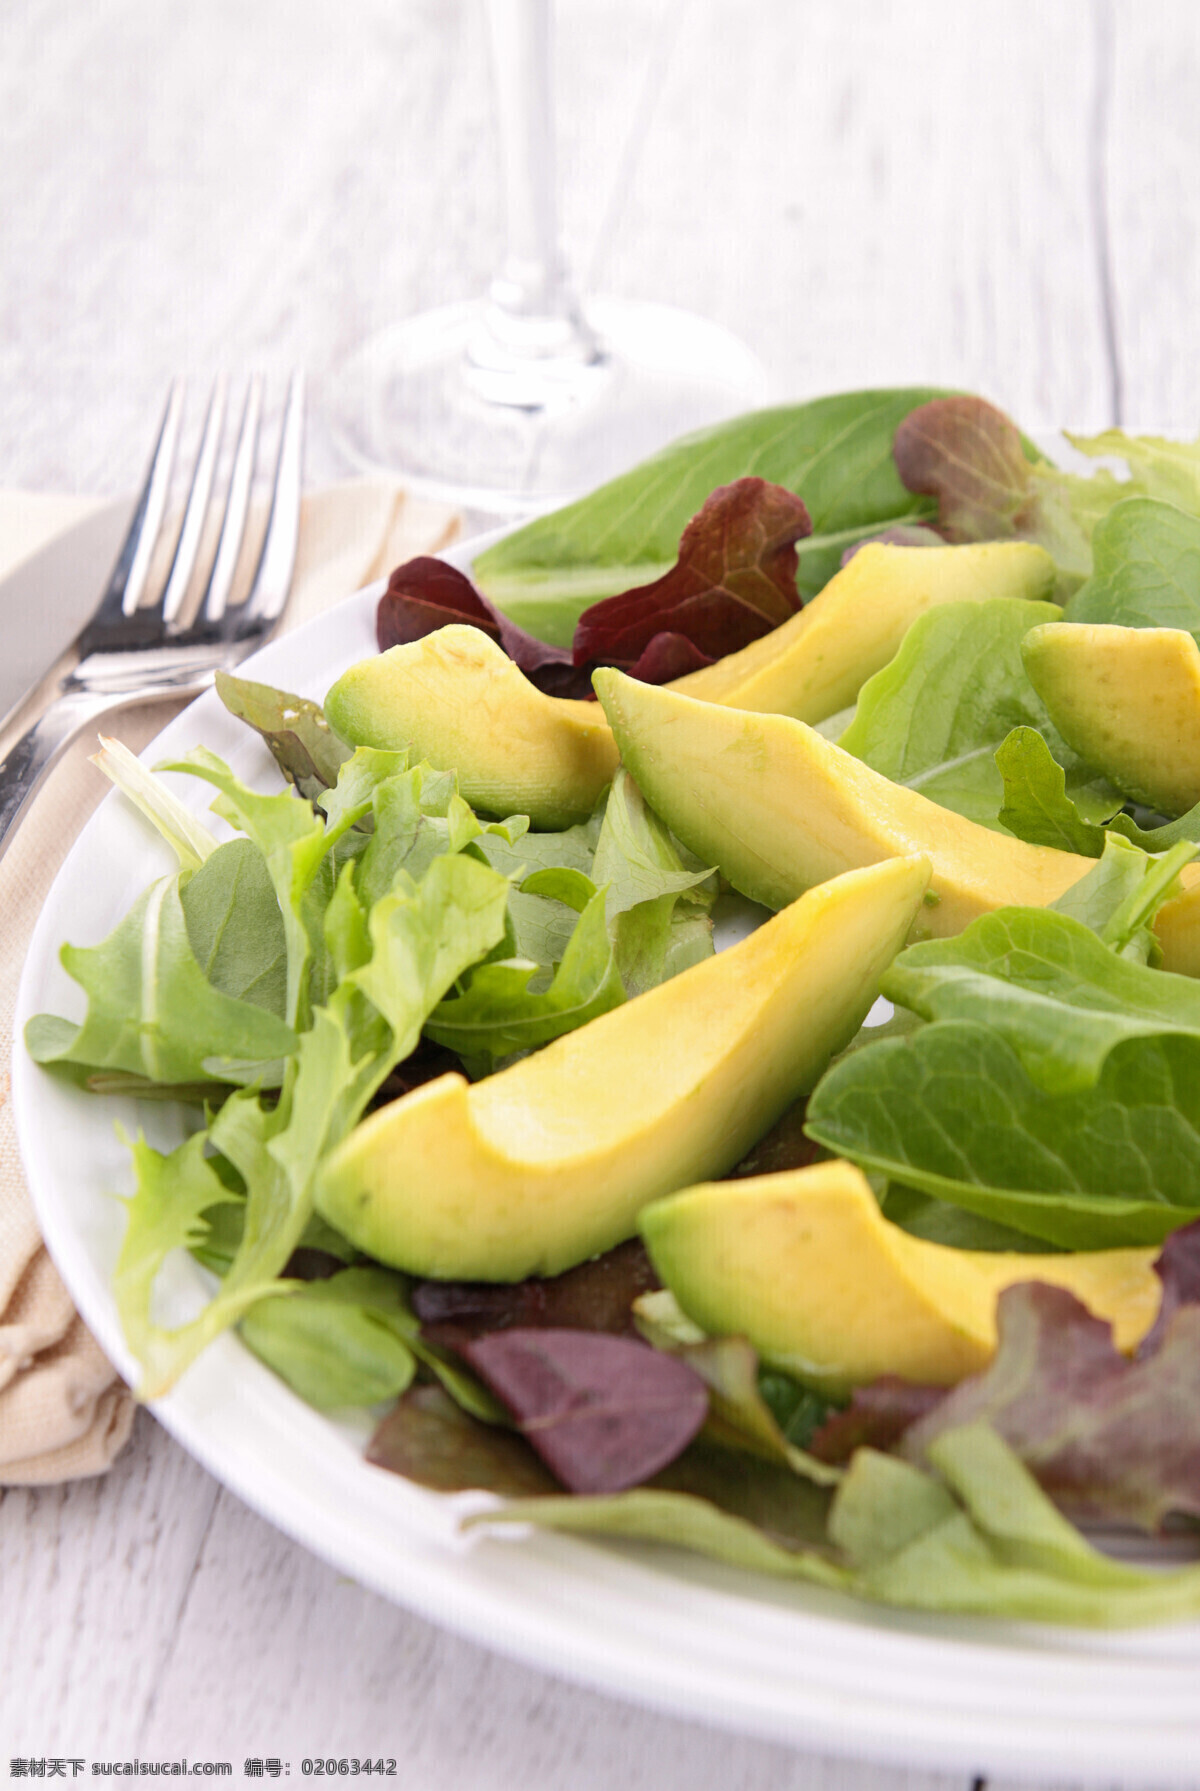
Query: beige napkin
x,y
63,1411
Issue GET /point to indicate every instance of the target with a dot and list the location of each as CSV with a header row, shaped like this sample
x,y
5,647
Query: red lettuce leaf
x,y
968,455
1106,1438
1178,1268
604,1413
425,594
876,1418
734,581
971,458
426,1437
596,1296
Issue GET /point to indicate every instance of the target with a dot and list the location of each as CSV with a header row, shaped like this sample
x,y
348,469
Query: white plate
x,y
792,1663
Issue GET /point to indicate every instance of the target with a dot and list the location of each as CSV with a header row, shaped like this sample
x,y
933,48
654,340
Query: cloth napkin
x,y
63,1411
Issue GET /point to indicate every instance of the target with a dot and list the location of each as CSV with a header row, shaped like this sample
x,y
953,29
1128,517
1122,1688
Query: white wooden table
x,y
997,196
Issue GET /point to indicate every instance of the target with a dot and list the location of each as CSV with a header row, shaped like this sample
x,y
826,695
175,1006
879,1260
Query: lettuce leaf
x,y
152,1010
1049,987
1106,1438
1146,569
952,1112
935,716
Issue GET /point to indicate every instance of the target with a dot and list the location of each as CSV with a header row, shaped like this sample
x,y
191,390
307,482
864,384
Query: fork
x,y
131,651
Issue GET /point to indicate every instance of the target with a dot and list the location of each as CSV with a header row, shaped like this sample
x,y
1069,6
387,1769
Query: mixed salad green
x,y
1039,1084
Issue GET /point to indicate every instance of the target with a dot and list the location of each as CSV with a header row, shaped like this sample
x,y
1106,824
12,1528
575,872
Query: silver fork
x,y
132,652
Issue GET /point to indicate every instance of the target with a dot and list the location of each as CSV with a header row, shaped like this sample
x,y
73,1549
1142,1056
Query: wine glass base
x,y
416,402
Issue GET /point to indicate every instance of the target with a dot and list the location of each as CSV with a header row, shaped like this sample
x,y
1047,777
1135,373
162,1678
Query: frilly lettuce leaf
x,y
152,1010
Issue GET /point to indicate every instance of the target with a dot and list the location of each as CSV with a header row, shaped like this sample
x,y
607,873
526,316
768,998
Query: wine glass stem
x,y
532,309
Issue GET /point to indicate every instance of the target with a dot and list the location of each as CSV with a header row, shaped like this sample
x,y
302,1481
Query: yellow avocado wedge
x,y
1128,701
459,700
817,662
805,1266
779,808
549,1162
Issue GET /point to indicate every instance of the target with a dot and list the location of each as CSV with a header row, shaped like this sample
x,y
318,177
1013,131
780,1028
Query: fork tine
x,y
188,546
220,579
128,579
277,561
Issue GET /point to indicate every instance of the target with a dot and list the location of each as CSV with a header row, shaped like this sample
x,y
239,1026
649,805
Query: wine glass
x,y
526,397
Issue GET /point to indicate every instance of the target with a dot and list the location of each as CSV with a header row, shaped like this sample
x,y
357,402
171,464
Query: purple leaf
x,y
785,1146
1105,1437
968,455
734,581
876,1418
425,594
604,1413
429,1439
596,1296
1178,1268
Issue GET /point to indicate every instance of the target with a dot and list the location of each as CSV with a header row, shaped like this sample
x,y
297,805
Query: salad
x,y
370,935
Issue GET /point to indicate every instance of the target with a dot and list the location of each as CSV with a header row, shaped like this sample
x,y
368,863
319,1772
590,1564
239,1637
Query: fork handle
x,y
31,758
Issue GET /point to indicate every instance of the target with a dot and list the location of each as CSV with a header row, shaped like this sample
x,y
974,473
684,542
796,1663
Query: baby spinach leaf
x,y
835,453
934,717
336,1342
1049,987
1147,569
235,928
951,1112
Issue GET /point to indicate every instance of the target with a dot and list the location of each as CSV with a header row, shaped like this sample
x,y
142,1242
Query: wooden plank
x,y
1151,149
875,196
95,1575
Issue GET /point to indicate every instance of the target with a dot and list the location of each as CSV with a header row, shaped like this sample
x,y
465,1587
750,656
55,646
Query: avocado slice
x,y
816,663
549,1162
460,701
1128,701
779,808
805,1266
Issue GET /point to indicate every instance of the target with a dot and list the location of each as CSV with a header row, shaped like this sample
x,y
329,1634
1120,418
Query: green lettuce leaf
x,y
1049,987
1146,569
500,1013
1037,807
934,717
152,1010
950,1111
338,1342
